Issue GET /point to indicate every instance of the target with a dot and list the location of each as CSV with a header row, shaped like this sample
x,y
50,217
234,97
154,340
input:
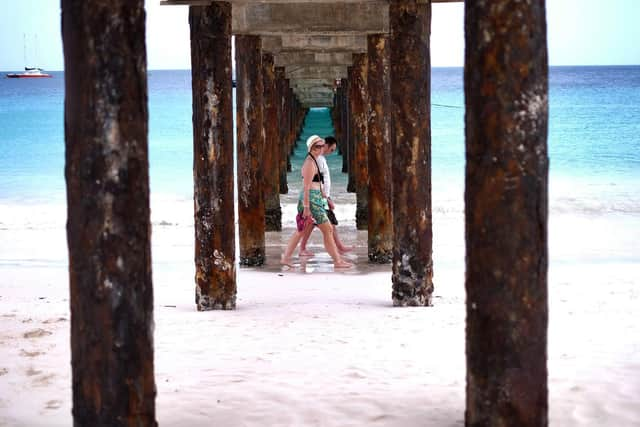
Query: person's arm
x,y
308,170
327,182
324,168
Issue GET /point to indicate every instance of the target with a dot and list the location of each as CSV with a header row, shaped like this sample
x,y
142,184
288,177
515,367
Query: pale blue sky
x,y
581,32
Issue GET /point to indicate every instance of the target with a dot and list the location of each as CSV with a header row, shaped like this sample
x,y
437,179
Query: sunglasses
x,y
318,146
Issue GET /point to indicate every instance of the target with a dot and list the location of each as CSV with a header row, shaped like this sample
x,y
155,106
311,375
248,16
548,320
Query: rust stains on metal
x,y
344,117
250,146
335,116
271,182
411,146
506,213
380,198
351,165
108,226
281,89
360,135
213,156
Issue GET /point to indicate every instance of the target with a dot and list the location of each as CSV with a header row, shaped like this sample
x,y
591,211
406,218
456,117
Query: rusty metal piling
x,y
213,193
360,135
380,206
346,128
271,174
412,275
108,223
506,213
250,149
282,156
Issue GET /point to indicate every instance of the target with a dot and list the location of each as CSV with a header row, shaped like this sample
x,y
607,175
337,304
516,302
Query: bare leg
x,y
291,245
305,237
330,246
341,247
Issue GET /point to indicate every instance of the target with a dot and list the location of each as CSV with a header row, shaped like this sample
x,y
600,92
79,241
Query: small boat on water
x,y
29,72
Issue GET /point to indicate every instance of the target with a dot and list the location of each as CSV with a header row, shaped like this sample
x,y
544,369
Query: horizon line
x,y
435,66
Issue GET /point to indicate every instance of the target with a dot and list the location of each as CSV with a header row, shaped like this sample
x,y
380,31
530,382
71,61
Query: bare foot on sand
x,y
342,264
305,252
286,262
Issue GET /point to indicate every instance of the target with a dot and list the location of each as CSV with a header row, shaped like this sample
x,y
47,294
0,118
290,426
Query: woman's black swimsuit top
x,y
318,177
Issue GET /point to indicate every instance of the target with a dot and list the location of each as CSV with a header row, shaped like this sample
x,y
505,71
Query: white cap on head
x,y
312,140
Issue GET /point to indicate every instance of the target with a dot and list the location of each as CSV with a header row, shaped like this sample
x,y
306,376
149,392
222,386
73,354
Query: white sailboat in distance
x,y
29,72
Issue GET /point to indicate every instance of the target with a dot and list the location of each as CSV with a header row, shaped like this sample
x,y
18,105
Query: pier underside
x,y
366,61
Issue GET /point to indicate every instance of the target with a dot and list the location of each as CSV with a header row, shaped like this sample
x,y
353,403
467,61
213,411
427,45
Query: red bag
x,y
301,221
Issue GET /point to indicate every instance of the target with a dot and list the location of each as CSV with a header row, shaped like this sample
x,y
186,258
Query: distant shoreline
x,y
447,67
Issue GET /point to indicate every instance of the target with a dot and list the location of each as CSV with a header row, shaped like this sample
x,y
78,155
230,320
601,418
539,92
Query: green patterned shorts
x,y
316,204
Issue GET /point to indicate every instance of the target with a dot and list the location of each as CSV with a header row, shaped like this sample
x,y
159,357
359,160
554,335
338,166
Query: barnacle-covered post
x,y
506,212
213,156
360,135
250,149
271,175
380,222
108,224
410,22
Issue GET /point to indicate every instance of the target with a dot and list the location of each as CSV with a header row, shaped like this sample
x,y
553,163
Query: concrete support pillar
x,y
506,210
380,197
360,136
250,145
280,94
346,128
213,156
271,182
410,23
351,166
108,225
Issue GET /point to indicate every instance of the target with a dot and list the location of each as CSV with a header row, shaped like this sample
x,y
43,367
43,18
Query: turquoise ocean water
x,y
594,139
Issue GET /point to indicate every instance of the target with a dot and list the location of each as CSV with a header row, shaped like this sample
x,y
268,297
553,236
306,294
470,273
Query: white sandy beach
x,y
315,348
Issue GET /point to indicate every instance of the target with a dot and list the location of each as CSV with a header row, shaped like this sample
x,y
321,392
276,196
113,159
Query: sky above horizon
x,y
580,32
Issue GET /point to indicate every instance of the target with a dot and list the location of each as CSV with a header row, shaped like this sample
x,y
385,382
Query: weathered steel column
x,y
108,225
351,163
213,156
410,22
380,225
360,133
280,94
506,210
336,114
273,212
302,112
250,144
346,125
288,124
292,126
